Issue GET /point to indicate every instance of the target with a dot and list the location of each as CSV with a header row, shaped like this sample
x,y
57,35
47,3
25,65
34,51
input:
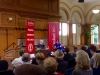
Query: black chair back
x,y
8,72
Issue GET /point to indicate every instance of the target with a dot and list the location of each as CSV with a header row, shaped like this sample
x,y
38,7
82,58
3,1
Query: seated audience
x,y
75,51
37,50
50,65
39,58
98,49
18,61
83,48
34,61
82,64
3,65
88,51
96,66
27,68
67,56
93,52
62,65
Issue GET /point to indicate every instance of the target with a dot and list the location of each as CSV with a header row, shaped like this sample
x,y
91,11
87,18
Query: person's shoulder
x,y
76,71
14,60
17,62
35,66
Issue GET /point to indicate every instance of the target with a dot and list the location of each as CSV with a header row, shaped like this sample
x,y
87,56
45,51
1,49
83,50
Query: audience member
x,y
38,50
67,56
3,65
82,64
62,65
96,66
75,50
88,51
93,52
34,59
39,58
83,48
27,68
50,66
18,61
98,49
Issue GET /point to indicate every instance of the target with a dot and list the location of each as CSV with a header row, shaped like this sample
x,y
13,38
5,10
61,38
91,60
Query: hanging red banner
x,y
53,34
30,37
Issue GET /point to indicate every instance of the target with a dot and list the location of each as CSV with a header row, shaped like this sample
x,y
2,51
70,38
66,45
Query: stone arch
x,y
65,7
90,14
76,17
79,11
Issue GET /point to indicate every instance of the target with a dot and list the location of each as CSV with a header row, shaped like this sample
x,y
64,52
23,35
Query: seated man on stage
x,y
57,45
41,44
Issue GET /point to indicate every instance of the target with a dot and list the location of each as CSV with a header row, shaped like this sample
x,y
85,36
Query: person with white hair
x,y
41,44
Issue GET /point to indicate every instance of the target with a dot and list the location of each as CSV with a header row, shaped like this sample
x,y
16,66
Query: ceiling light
x,y
95,11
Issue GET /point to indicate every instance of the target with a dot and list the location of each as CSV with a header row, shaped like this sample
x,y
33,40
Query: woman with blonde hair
x,y
40,58
82,64
62,65
96,66
50,65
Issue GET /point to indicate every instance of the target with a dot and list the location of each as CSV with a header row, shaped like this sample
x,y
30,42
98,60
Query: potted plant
x,y
87,32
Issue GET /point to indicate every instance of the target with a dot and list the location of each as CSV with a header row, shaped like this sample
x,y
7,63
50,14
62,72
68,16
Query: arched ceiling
x,y
76,18
63,15
95,18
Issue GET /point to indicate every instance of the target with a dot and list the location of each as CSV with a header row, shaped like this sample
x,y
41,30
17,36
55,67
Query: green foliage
x,y
87,31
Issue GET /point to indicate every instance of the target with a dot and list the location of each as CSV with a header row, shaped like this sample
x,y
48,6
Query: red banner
x,y
30,37
53,34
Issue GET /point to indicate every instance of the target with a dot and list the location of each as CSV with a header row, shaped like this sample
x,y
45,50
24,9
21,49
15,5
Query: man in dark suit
x,y
41,44
27,68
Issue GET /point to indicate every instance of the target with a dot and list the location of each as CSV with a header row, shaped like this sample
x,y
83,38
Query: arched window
x,y
95,35
76,28
63,27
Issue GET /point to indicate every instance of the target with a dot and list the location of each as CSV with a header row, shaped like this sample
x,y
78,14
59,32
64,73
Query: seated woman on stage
x,y
57,45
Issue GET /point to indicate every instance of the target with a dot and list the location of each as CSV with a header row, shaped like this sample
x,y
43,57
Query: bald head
x,y
26,57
